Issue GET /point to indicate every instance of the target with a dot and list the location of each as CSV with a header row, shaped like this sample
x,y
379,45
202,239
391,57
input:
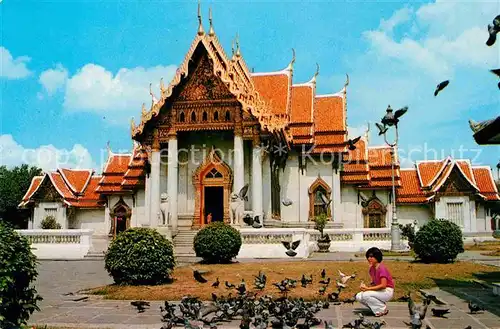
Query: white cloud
x,y
13,68
95,89
47,157
54,79
455,35
400,16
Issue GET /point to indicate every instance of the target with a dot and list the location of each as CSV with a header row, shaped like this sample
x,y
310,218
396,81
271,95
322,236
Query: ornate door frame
x,y
114,212
200,180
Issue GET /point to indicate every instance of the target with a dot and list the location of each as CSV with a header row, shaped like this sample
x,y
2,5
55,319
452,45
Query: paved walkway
x,y
58,278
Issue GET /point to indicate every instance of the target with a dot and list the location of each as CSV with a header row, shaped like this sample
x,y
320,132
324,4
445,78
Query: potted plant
x,y
324,239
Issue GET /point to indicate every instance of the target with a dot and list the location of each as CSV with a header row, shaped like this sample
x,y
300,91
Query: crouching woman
x,y
381,288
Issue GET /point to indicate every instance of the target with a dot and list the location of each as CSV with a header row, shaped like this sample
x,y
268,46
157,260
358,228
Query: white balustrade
x,y
59,244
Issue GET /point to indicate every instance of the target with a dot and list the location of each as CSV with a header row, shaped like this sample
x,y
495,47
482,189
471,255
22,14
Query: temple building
x,y
224,143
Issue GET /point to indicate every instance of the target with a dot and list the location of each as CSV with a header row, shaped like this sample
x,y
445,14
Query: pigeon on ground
x,y
140,305
441,86
216,283
344,277
349,300
199,277
440,312
417,312
229,285
493,29
291,247
256,222
474,308
323,274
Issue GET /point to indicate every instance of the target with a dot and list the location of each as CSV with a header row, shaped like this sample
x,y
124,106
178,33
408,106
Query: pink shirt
x,y
381,272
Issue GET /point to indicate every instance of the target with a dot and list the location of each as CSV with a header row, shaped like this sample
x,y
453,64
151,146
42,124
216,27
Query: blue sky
x,y
74,72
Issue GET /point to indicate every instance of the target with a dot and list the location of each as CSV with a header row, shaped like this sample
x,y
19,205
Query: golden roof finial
x,y
346,80
211,32
313,80
162,87
132,129
108,147
290,66
238,53
154,100
232,47
143,110
200,25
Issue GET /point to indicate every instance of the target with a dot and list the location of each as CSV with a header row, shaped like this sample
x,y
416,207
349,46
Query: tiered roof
x,y
370,167
76,188
123,172
420,184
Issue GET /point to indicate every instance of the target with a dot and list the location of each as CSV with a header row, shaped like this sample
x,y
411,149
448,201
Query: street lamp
x,y
391,119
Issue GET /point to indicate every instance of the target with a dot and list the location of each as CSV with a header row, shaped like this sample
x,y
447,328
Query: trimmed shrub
x,y
217,243
18,297
320,222
140,256
408,231
50,223
438,241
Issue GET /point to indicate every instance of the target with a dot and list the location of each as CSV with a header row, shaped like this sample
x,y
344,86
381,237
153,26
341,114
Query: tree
x,y
13,185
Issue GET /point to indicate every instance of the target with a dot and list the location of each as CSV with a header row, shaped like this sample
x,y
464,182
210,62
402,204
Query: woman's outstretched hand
x,y
362,286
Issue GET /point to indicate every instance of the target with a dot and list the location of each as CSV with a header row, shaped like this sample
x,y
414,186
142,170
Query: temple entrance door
x,y
120,218
214,204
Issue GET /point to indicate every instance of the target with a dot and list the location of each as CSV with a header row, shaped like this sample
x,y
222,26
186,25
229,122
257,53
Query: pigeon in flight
x,y
140,305
440,312
291,247
493,29
382,129
351,143
286,202
474,308
441,86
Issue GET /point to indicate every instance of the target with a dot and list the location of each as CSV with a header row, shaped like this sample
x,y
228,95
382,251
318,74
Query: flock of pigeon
x,y
264,311
493,30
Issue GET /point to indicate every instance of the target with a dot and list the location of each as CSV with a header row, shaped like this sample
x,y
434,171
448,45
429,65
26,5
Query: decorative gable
x,y
203,84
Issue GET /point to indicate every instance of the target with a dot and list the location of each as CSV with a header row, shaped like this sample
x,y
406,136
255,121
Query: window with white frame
x,y
51,212
455,213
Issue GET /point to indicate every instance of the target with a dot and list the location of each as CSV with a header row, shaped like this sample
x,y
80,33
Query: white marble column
x,y
147,199
239,170
154,179
172,178
336,206
257,181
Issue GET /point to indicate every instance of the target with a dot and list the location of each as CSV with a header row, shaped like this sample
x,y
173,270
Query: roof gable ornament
x,y
313,80
154,100
132,125
162,87
108,147
238,52
200,24
211,32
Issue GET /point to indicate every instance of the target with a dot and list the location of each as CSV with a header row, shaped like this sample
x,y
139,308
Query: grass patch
x,y
407,276
484,246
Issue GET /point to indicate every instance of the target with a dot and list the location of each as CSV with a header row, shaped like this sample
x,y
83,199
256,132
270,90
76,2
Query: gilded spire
x,y
238,53
143,110
211,32
346,80
232,47
200,25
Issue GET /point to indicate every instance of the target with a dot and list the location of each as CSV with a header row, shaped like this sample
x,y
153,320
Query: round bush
x,y
438,241
140,256
217,243
18,297
50,223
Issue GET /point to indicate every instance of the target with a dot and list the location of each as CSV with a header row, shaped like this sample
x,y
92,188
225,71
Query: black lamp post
x,y
391,119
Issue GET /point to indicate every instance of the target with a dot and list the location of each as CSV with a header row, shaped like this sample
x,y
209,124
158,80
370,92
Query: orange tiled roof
x,y
355,168
380,166
485,183
274,88
113,173
134,176
425,181
329,113
86,198
77,180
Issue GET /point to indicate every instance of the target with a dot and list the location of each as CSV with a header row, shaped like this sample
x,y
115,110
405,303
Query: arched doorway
x,y
212,182
316,205
374,214
120,218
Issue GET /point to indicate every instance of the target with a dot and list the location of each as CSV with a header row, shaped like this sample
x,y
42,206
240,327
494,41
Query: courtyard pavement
x,y
57,279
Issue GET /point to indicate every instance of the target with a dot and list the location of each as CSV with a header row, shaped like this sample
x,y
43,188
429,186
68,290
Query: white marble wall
x,y
39,213
408,213
90,219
